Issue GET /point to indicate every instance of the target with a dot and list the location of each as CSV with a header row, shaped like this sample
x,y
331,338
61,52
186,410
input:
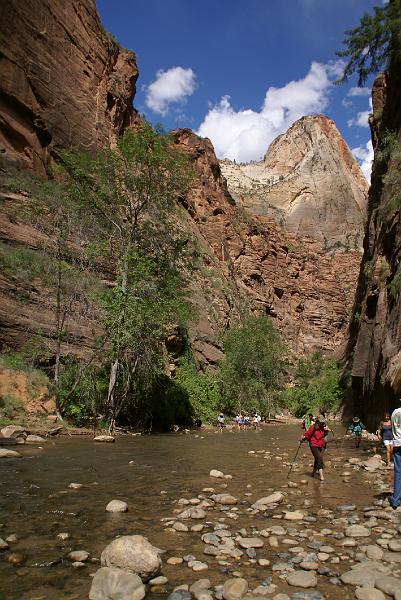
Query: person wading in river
x,y
315,435
395,499
385,434
356,428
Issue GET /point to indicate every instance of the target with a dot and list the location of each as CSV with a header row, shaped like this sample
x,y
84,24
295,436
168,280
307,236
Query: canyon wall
x,y
374,350
308,182
63,80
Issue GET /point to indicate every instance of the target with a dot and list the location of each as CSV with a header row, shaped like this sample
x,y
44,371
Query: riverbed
x,y
151,473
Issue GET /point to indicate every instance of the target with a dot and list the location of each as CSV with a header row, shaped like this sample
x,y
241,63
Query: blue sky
x,y
241,72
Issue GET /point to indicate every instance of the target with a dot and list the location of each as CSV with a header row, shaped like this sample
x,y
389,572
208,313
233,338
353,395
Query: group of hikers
x,y
243,421
389,432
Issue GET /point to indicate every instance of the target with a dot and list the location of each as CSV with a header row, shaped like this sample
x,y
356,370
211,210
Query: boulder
x,y
275,498
216,473
303,579
235,589
13,431
35,439
366,593
389,585
110,583
104,438
116,506
133,553
5,453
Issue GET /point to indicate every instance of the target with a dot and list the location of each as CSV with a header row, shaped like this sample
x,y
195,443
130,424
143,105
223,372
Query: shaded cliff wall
x,y
375,345
63,80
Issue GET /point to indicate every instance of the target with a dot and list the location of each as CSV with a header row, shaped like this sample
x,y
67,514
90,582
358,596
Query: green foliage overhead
x,y
370,46
251,373
317,387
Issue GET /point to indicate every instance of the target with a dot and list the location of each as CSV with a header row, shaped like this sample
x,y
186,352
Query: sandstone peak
x,y
308,182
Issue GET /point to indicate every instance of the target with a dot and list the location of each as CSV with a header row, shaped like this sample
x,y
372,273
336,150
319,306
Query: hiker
x,y
238,420
315,435
245,422
307,421
356,428
220,422
256,420
395,499
385,435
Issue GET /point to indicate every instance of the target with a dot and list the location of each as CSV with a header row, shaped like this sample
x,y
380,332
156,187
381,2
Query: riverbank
x,y
54,500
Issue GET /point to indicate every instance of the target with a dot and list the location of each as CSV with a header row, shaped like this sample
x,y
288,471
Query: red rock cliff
x,y
63,81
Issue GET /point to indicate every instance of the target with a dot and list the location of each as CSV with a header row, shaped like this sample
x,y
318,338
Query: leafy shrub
x,y
201,389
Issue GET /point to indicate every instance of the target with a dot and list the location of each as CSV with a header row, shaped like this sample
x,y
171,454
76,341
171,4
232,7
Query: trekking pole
x,y
295,458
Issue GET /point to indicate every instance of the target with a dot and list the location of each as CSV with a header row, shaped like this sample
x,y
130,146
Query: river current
x,y
151,473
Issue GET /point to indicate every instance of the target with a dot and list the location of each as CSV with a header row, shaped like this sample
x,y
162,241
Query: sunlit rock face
x,y
63,80
308,182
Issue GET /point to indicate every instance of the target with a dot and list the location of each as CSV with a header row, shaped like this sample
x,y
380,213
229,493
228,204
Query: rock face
x,y
308,182
375,345
250,261
63,80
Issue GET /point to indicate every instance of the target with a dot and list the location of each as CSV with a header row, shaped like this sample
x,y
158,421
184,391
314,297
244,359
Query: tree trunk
x,y
58,343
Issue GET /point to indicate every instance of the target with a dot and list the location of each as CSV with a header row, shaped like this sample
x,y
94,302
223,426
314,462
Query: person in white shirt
x,y
395,499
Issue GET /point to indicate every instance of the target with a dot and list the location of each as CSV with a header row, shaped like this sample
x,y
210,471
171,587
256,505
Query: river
x,y
151,473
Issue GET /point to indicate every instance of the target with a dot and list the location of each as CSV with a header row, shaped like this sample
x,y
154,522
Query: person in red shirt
x,y
315,435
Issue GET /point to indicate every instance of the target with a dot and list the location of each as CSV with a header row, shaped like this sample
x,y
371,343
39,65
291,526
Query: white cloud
x,y
171,86
245,135
364,155
362,119
359,91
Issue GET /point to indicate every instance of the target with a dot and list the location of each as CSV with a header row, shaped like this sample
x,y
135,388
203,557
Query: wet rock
x,y
180,595
282,567
389,585
160,580
274,498
235,589
6,453
13,431
295,515
110,583
197,528
193,513
225,499
304,579
35,439
75,486
116,506
78,564
394,545
3,545
217,474
281,597
12,538
175,560
263,562
364,576
357,531
178,526
309,566
249,542
200,586
108,439
133,553
346,507
374,552
78,555
394,557
197,566
16,558
365,593
251,553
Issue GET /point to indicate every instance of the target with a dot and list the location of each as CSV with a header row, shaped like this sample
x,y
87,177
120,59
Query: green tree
x,y
132,192
370,46
252,370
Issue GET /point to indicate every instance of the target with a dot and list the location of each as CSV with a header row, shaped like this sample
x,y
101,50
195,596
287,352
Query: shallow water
x,y
36,503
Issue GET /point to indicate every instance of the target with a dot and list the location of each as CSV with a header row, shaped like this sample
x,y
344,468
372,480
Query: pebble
x,y
304,579
116,506
75,486
357,531
16,558
78,556
235,589
217,474
174,560
160,580
178,526
3,544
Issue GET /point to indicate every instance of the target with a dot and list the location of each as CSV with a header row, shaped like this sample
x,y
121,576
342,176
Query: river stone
x,y
357,531
75,486
192,513
225,499
13,431
116,506
274,498
389,585
235,589
35,439
250,542
374,552
200,585
178,526
133,553
366,593
373,463
104,438
394,557
295,515
110,583
78,555
216,473
160,580
6,453
363,577
16,558
394,545
309,565
3,544
303,579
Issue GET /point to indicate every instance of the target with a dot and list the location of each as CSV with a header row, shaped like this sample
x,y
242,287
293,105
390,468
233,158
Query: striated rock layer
x,y
309,182
255,264
63,80
374,350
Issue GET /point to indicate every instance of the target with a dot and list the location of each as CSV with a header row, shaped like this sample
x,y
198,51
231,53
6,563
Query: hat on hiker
x,y
356,419
320,419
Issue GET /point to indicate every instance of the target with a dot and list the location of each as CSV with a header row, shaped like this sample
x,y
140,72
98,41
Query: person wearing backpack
x,y
395,499
315,435
356,428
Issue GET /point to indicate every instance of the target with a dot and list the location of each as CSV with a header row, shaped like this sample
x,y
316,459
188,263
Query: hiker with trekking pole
x,y
316,438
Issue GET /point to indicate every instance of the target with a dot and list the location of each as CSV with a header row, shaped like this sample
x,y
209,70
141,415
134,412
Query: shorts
x,y
387,442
